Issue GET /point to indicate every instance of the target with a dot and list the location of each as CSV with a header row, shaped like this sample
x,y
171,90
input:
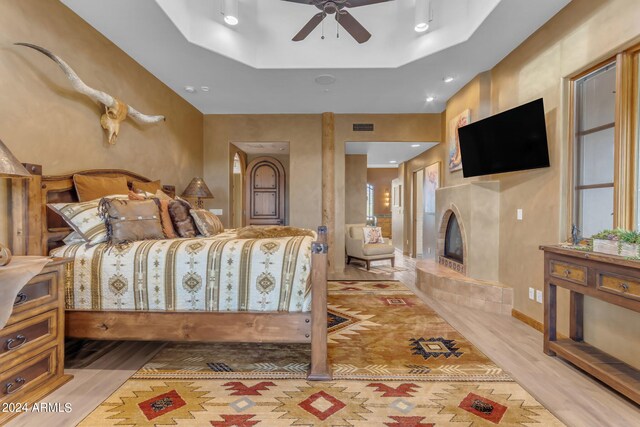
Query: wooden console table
x,y
609,278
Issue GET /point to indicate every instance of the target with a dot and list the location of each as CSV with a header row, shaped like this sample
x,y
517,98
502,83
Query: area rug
x,y
382,269
395,363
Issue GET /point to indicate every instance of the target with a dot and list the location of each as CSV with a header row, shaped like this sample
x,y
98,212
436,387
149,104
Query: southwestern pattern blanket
x,y
220,273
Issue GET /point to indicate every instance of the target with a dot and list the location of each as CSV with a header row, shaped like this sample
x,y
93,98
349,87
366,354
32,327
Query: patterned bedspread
x,y
221,273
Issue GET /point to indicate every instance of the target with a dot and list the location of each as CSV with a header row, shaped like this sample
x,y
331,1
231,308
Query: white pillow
x,y
372,235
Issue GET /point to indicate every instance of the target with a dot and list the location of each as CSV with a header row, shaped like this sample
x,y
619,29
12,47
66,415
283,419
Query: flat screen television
x,y
513,140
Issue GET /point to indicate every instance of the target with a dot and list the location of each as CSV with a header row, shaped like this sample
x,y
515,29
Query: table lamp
x,y
197,189
10,167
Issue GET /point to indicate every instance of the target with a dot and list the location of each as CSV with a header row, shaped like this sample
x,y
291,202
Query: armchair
x,y
357,249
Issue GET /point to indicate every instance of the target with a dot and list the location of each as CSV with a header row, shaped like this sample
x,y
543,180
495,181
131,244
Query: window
x,y
594,150
605,147
370,200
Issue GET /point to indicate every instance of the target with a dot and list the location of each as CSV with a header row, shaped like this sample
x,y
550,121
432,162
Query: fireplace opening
x,y
453,247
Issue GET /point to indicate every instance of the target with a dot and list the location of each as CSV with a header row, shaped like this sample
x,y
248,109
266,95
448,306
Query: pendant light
x,y
423,16
230,12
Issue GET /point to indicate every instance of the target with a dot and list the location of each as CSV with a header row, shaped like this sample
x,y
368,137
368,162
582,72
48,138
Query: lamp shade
x,y
10,167
197,188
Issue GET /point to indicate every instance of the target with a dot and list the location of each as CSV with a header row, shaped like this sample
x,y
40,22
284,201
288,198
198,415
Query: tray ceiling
x,y
254,67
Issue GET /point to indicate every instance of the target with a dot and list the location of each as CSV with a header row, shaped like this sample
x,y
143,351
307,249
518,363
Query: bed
x,y
215,289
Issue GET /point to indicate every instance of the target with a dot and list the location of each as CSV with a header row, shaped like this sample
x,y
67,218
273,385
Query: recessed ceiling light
x,y
325,79
448,79
231,20
430,98
230,12
204,88
415,145
393,161
421,27
190,89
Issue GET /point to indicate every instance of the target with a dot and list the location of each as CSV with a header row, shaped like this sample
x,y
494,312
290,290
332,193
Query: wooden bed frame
x,y
45,230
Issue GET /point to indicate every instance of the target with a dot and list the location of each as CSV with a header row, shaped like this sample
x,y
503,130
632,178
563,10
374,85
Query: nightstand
x,y
32,341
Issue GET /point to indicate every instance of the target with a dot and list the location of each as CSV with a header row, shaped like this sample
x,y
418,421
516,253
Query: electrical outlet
x,y
519,214
216,211
428,250
532,294
539,296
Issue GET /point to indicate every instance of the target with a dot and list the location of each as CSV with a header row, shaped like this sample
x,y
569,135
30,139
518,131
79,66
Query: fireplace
x,y
453,245
451,241
468,231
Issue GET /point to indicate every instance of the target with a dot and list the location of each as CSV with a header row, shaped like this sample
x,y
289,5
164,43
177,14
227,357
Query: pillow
x,y
147,187
131,220
208,224
181,219
165,218
253,232
163,196
137,196
96,187
84,218
372,235
73,238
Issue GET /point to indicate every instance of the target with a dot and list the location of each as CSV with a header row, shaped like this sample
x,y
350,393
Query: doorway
x,y
265,192
418,213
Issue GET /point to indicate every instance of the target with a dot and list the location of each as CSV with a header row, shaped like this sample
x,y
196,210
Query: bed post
x,y
320,369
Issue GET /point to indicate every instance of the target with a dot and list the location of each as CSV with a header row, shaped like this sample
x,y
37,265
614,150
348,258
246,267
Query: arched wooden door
x,y
265,204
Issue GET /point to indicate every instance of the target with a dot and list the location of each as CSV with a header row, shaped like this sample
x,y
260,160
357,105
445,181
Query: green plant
x,y
626,236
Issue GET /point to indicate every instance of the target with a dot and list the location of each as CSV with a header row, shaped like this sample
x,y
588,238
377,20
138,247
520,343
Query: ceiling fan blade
x,y
352,26
358,3
310,26
300,1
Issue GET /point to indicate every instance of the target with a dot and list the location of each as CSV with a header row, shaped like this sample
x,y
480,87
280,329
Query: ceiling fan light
x,y
423,16
230,12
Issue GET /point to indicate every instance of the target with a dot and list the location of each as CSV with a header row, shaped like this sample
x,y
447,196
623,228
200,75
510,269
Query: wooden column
x,y
328,182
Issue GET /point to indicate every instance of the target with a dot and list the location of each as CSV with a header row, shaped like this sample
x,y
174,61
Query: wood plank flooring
x,y
574,397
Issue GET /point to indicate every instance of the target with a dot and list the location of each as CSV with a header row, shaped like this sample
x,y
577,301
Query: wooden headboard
x,y
60,189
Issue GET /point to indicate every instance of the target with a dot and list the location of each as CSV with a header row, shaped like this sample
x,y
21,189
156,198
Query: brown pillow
x,y
208,224
253,232
136,196
181,219
131,220
165,218
163,196
149,187
96,187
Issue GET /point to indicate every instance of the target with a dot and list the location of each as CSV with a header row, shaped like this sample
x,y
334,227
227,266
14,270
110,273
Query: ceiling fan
x,y
344,18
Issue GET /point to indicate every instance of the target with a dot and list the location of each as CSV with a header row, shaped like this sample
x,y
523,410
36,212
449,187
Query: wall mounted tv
x,y
513,140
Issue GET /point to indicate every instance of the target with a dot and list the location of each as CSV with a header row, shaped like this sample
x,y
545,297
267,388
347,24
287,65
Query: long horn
x,y
94,94
76,82
143,118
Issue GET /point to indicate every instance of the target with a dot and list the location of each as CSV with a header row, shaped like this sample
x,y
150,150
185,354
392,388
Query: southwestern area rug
x,y
395,363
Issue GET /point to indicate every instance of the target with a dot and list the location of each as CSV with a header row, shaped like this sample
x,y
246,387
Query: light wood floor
x,y
573,397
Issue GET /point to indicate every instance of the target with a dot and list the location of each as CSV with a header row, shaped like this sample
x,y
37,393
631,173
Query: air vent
x,y
363,127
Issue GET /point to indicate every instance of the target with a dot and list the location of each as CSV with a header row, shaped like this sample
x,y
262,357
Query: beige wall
x,y
583,34
304,134
42,120
355,191
381,179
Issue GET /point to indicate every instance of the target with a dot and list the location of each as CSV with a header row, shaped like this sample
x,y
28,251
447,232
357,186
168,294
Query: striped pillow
x,y
84,218
208,224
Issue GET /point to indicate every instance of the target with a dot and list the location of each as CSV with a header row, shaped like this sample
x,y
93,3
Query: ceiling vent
x,y
363,127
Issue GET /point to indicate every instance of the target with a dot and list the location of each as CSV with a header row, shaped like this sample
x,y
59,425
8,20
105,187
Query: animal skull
x,y
115,110
112,117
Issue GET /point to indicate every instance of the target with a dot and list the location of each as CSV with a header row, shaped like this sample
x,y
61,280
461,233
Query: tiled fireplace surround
x,y
474,283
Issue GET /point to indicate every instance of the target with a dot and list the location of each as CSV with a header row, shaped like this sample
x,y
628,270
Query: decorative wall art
x,y
431,184
455,159
115,110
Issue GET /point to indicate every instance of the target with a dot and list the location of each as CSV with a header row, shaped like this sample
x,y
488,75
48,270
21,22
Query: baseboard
x,y
531,322
527,320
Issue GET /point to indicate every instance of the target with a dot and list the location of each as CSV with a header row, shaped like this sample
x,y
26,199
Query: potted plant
x,y
617,242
